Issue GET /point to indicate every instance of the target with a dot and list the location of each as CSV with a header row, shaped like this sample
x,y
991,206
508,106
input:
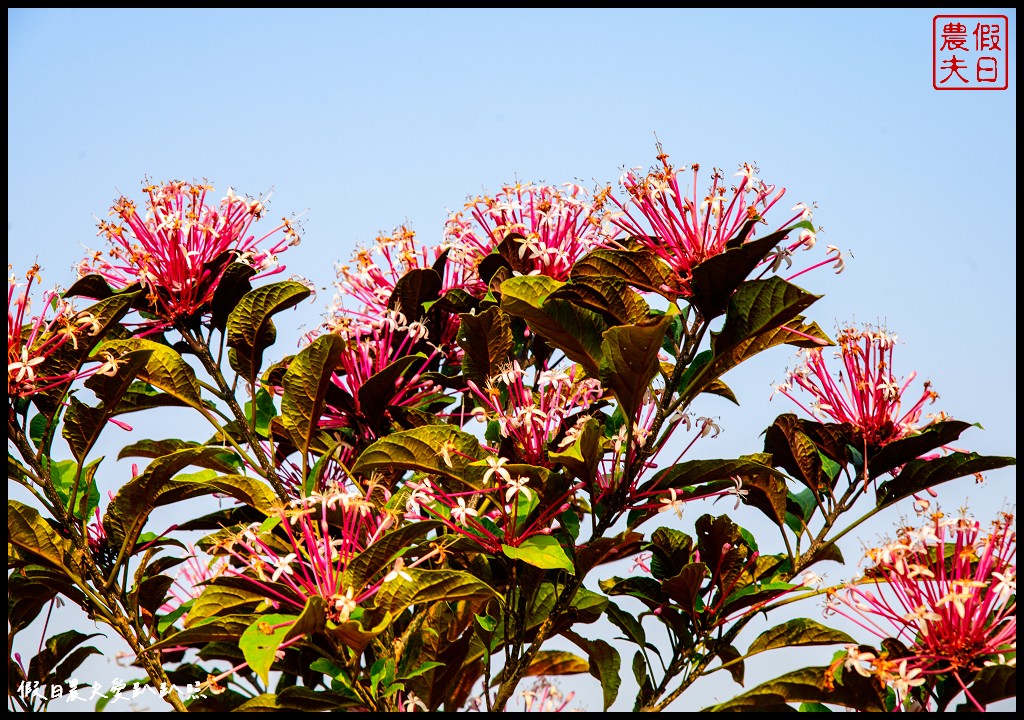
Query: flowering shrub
x,y
410,504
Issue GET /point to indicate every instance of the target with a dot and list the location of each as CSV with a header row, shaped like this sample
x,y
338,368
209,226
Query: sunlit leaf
x,y
797,632
557,662
541,551
918,475
305,388
640,268
250,330
422,449
629,360
486,339
165,369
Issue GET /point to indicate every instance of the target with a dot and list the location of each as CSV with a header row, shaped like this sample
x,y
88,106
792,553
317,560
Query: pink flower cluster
x,y
179,248
947,591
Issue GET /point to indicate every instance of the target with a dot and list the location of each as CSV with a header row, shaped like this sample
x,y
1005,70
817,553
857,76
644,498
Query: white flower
x,y
494,467
398,571
517,486
460,512
672,504
284,567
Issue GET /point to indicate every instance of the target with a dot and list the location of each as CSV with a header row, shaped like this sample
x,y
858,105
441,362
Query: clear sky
x,y
367,119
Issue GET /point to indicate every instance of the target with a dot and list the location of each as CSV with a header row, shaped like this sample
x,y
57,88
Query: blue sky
x,y
367,119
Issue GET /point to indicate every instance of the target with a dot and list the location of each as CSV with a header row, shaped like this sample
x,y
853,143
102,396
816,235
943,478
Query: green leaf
x,y
640,268
250,330
416,287
627,623
914,446
129,510
992,684
574,330
729,654
557,662
714,280
87,497
305,388
642,588
629,360
260,642
611,298
541,551
312,619
82,423
376,394
792,444
918,475
814,707
486,340
583,456
57,652
254,492
220,600
68,358
697,472
265,412
228,628
222,460
684,587
143,396
27,530
604,665
808,685
421,450
797,632
379,555
165,369
756,320
429,586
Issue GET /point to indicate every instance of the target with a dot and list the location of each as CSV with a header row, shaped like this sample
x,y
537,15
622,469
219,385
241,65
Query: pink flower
x,y
532,418
32,339
370,349
866,394
178,248
558,227
942,591
374,273
321,535
685,229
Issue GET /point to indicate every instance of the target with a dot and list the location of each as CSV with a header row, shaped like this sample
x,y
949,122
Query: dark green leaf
x,y
129,510
918,475
416,287
640,268
914,446
487,341
231,288
714,280
305,388
800,631
609,297
630,360
730,658
604,665
422,449
808,685
250,330
541,551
